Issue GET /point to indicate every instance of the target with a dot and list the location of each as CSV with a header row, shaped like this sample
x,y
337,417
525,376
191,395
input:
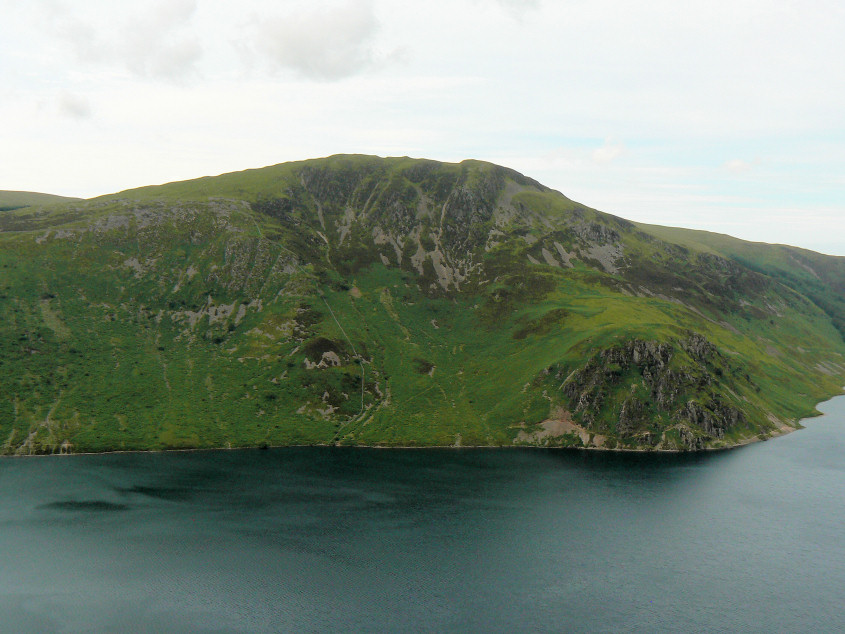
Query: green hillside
x,y
18,200
360,300
819,277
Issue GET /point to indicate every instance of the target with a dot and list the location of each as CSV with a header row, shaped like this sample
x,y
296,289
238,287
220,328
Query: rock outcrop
x,y
622,391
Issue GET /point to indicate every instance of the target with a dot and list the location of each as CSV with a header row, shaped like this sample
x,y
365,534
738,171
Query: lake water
x,y
431,540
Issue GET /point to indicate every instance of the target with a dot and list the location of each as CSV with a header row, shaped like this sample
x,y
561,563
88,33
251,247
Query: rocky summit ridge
x,y
358,300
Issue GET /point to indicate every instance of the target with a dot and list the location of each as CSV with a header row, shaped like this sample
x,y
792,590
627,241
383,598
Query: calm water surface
x,y
474,540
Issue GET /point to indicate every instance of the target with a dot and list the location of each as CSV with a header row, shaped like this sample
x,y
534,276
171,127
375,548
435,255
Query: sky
x,y
727,116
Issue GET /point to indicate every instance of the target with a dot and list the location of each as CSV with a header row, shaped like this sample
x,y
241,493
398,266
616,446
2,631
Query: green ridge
x,y
19,200
398,302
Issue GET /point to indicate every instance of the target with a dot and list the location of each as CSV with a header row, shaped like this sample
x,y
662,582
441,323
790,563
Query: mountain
x,y
358,300
18,200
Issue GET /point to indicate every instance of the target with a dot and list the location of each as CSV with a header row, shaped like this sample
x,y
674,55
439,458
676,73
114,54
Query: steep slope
x,y
820,277
360,300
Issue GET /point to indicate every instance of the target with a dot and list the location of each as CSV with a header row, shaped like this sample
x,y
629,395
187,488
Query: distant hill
x,y
18,200
358,300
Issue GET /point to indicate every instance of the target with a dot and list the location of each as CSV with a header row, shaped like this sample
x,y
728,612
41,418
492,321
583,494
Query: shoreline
x,y
618,450
780,432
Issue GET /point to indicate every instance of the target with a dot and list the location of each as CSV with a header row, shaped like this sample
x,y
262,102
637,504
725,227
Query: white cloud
x,y
329,41
155,42
159,43
738,166
607,152
517,8
74,106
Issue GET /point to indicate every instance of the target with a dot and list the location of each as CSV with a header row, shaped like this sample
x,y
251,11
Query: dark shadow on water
x,y
638,460
310,474
174,494
324,485
89,506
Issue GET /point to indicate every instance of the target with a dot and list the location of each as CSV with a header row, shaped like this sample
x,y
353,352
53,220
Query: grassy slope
x,y
182,316
17,200
819,277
